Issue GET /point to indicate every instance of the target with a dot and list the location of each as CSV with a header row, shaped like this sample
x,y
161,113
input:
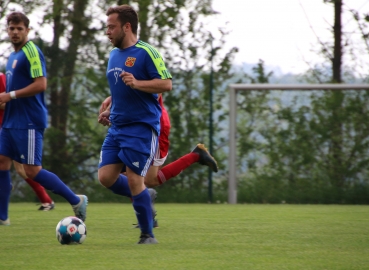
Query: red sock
x,y
176,167
39,190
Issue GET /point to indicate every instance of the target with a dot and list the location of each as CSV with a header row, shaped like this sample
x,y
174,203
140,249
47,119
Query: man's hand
x,y
128,79
104,118
153,86
105,105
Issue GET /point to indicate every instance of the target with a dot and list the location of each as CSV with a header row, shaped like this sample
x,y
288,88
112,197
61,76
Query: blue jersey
x,y
129,105
22,67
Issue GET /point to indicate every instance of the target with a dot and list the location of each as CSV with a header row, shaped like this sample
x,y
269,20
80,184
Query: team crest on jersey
x,y
14,63
130,61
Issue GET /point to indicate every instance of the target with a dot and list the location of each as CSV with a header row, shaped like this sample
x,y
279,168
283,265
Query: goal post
x,y
233,89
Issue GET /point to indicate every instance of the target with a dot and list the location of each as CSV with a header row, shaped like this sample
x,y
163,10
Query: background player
x,y
25,119
44,198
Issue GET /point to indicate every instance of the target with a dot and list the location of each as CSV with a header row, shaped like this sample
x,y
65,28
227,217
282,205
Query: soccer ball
x,y
71,230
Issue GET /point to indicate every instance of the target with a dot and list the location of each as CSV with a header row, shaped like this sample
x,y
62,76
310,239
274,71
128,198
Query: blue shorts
x,y
134,145
22,145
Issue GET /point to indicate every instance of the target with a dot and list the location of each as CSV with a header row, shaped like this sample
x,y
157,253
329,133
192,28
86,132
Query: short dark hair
x,y
17,17
126,14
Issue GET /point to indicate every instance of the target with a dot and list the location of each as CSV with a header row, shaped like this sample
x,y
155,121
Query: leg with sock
x,y
5,188
39,191
141,204
176,167
120,187
46,202
53,183
200,154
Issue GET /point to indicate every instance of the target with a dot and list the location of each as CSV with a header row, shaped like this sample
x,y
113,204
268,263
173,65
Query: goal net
x,y
312,135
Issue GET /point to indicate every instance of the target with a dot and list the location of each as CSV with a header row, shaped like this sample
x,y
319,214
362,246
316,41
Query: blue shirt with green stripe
x,y
22,68
130,106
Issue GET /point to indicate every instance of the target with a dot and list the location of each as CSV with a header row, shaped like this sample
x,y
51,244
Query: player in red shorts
x,y
46,202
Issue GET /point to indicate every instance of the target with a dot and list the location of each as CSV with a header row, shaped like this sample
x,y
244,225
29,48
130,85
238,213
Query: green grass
x,y
193,236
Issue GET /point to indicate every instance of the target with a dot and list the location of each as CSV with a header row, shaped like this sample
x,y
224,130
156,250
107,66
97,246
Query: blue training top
x,y
22,67
129,105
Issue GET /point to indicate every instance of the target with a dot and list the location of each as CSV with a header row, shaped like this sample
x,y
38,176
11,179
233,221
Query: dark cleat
x,y
205,157
47,206
147,239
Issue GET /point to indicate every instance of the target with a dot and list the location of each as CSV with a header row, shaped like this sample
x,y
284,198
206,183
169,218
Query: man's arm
x,y
155,86
39,85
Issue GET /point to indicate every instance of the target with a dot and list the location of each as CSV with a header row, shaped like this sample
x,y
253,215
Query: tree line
x,y
319,156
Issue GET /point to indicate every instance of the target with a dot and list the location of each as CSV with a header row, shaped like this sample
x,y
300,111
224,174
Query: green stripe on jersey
x,y
33,57
156,58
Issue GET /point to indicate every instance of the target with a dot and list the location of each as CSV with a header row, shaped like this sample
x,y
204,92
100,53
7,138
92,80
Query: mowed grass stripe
x,y
193,236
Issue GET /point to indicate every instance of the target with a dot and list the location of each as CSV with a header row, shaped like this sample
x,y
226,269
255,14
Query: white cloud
x,y
282,33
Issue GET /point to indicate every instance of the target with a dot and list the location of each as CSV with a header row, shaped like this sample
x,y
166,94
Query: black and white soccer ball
x,y
71,230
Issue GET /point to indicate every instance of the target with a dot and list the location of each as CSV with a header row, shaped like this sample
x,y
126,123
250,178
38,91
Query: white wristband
x,y
12,95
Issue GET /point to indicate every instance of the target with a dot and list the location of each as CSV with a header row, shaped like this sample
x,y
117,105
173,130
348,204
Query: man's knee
x,y
31,171
151,182
105,180
107,175
151,179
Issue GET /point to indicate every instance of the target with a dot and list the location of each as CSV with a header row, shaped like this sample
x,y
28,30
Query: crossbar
x,y
234,88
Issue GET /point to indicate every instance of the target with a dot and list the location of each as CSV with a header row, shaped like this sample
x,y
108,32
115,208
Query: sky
x,y
283,33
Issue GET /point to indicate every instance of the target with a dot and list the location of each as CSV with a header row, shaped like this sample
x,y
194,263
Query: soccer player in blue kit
x,y
25,119
136,74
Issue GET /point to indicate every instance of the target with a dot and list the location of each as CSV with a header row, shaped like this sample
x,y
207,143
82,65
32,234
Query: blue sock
x,y
142,206
5,188
53,183
121,187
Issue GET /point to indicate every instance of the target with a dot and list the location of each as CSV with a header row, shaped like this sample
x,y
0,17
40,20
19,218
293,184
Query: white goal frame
x,y
233,89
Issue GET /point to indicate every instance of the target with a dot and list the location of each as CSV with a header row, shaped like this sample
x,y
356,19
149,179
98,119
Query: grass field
x,y
193,236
